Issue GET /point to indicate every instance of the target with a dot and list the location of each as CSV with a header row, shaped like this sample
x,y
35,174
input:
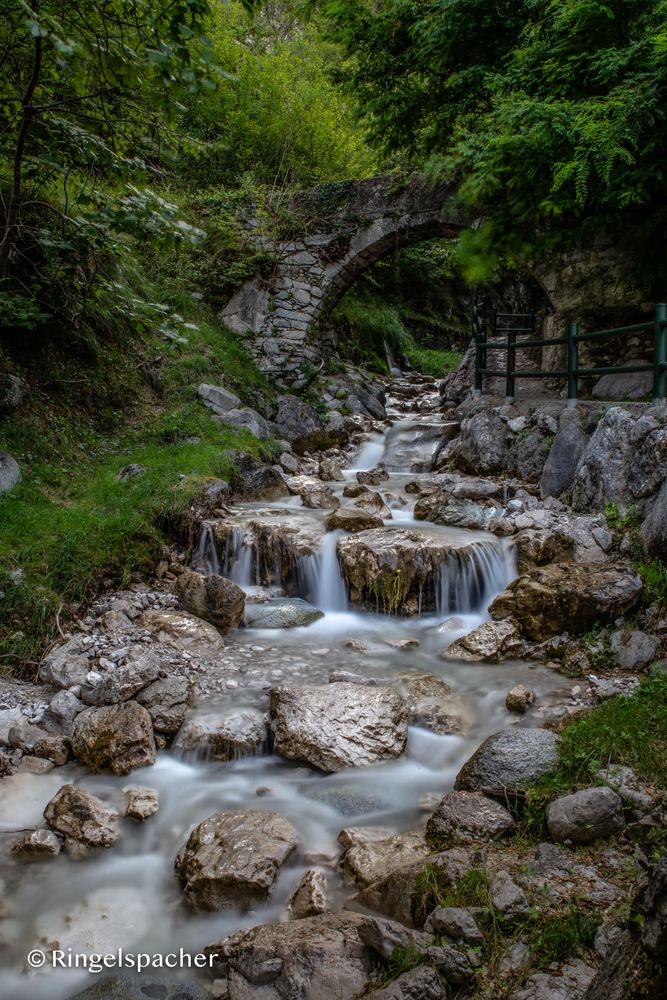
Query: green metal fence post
x,y
511,366
660,352
572,363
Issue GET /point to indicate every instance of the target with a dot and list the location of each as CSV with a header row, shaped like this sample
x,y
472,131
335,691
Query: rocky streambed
x,y
294,745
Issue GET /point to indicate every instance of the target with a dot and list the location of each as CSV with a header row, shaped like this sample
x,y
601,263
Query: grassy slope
x,y
71,527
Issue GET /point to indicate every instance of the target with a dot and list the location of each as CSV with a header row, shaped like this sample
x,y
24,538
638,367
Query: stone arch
x,y
283,317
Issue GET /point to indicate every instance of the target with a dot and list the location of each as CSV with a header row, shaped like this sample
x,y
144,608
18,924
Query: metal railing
x,y
511,325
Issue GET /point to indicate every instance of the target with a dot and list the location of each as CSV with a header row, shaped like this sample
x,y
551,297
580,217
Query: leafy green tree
x,y
550,116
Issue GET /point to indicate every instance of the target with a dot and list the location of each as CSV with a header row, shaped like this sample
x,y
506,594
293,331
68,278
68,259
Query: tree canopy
x,y
551,115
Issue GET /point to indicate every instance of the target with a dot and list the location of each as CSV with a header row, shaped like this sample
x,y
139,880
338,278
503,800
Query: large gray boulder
x,y
233,859
120,684
316,958
624,386
166,701
213,598
252,479
10,473
352,519
566,449
67,665
602,474
654,528
565,597
281,612
482,446
528,454
80,816
338,725
249,420
469,816
511,760
633,649
119,737
298,423
585,815
422,983
490,642
370,852
219,399
443,508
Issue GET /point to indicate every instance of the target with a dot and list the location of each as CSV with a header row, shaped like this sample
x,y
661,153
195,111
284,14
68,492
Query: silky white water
x,y
128,896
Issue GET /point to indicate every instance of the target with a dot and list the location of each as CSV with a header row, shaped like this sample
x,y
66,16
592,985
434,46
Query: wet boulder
x,y
183,630
335,726
352,519
255,480
512,760
315,958
519,698
213,598
443,508
38,845
240,734
482,445
585,815
490,642
314,494
233,859
310,896
81,817
568,598
281,612
141,803
119,737
469,816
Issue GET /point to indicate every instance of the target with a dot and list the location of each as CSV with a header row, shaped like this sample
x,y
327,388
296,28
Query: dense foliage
x,y
549,115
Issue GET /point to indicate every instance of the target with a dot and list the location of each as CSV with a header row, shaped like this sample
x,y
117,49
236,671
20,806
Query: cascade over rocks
x,y
563,597
240,734
338,725
233,859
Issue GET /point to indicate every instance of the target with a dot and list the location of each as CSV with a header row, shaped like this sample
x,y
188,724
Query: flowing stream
x,y
128,896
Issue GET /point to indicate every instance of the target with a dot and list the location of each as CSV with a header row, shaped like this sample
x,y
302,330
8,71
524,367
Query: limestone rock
x,y
298,423
65,706
338,725
10,473
585,815
122,683
528,455
119,737
568,598
570,983
39,845
213,598
469,816
422,983
602,474
82,817
456,923
482,444
634,650
247,419
624,385
142,803
490,642
330,471
352,519
397,894
654,528
315,958
240,734
183,630
370,852
507,897
372,477
65,666
281,612
166,701
220,400
233,859
255,480
443,508
310,896
512,760
519,699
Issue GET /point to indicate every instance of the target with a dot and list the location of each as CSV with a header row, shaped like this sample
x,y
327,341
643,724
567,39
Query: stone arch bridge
x,y
345,227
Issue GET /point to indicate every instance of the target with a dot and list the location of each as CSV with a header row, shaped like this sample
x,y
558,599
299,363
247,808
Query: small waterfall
x,y
391,364
320,576
469,579
370,454
205,559
238,563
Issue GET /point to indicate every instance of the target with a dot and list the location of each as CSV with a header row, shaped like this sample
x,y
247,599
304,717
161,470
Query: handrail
x,y
510,344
